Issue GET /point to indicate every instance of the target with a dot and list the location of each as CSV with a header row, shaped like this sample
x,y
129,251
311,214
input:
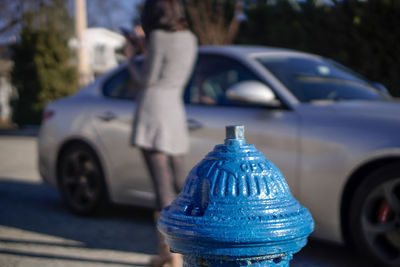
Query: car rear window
x,y
120,85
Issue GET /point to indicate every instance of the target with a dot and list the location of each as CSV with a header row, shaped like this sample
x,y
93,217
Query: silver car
x,y
334,135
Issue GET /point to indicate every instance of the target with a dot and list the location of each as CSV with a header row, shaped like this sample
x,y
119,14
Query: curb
x,y
30,130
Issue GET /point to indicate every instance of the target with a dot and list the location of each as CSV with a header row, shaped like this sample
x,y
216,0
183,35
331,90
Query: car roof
x,y
249,51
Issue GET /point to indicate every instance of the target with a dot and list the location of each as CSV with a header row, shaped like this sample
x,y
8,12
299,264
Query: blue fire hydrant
x,y
235,210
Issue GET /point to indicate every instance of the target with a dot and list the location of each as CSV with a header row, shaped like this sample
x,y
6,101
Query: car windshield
x,y
315,79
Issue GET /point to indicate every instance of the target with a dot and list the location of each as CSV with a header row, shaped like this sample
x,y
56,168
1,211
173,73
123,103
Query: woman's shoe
x,y
171,260
159,261
164,254
176,260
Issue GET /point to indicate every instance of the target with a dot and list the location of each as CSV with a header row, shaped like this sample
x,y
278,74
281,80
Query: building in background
x,y
102,48
7,92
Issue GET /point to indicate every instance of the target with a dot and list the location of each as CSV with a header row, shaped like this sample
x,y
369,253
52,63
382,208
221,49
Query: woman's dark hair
x,y
168,15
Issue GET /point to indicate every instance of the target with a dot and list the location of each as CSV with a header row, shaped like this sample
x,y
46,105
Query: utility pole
x,y
80,27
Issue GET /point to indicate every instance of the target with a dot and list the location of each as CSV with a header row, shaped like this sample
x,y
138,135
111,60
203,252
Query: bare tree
x,y
11,12
215,22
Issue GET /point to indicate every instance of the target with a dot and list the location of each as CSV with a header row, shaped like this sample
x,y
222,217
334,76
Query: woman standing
x,y
159,127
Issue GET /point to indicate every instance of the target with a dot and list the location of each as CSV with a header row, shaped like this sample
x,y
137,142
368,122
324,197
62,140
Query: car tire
x,y
374,219
81,180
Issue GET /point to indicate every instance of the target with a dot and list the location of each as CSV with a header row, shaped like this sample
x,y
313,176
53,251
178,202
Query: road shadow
x,y
79,260
38,208
31,131
323,253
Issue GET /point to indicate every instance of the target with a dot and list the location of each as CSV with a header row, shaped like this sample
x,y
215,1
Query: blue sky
x,y
118,13
122,15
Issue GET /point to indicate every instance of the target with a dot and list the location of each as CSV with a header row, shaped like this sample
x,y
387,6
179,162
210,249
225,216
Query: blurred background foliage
x,y
215,22
363,35
43,63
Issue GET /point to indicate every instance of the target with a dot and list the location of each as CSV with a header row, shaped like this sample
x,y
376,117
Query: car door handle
x,y
107,116
194,124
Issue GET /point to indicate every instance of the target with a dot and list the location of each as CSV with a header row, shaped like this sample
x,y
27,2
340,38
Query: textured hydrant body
x,y
236,210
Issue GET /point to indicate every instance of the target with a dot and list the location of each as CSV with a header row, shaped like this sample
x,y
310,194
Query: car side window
x,y
212,77
121,86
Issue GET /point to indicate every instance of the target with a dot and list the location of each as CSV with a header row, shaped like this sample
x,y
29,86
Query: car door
x,y
127,179
274,130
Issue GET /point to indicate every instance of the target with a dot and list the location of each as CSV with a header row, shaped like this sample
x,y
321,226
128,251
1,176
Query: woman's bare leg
x,y
178,172
162,175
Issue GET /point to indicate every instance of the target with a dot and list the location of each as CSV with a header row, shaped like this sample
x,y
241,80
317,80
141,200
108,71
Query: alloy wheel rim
x,y
81,180
380,221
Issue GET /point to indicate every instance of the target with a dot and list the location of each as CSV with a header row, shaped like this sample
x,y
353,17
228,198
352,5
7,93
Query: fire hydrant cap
x,y
235,203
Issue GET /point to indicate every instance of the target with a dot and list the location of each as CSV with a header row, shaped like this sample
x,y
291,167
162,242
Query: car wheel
x,y
81,180
375,216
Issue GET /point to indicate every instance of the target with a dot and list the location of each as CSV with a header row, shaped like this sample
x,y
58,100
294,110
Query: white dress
x,y
159,119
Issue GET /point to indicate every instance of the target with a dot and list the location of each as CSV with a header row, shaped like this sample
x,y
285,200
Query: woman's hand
x,y
135,43
129,50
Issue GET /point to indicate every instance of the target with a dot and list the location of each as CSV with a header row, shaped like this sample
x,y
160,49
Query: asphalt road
x,y
37,230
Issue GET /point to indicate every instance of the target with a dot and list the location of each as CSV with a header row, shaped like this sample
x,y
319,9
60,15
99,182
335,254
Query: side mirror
x,y
253,92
